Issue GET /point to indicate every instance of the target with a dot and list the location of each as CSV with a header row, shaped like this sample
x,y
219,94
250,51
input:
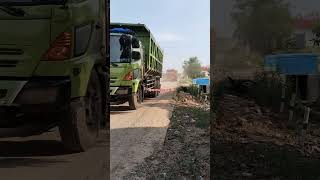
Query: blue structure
x,y
201,81
301,69
203,84
293,64
122,30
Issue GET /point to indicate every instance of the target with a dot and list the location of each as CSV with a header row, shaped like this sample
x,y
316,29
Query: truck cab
x,y
53,58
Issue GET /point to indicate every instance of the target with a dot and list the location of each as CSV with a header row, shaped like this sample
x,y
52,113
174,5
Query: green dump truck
x,y
135,64
53,69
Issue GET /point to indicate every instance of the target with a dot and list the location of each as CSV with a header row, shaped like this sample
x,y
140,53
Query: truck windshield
x,y
119,53
30,2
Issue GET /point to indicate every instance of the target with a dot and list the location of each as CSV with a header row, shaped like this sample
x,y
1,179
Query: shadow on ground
x,y
27,162
37,153
15,154
119,109
262,161
31,148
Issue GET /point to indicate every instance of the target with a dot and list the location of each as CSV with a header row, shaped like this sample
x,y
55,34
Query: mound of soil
x,y
250,142
186,150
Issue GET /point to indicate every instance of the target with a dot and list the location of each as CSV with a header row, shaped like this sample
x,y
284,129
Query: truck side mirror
x,y
136,55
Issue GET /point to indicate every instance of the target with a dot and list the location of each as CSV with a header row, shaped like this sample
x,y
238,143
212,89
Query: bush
x,y
193,90
267,90
202,118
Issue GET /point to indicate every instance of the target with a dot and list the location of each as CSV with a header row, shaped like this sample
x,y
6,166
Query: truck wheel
x,y
80,129
158,87
153,94
135,100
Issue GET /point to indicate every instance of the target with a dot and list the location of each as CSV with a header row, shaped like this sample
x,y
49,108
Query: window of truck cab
x,y
116,50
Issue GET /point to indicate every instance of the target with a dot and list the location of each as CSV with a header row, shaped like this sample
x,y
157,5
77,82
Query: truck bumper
x,y
37,95
120,95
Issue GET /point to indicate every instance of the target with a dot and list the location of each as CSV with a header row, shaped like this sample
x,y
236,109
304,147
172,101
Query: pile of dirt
x,y
250,142
186,150
186,98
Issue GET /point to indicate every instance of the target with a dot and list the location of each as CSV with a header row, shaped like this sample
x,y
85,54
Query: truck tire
x,y
158,87
153,94
105,105
135,100
80,128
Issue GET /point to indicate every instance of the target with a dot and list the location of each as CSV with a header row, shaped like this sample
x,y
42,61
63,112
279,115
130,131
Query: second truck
x,y
135,64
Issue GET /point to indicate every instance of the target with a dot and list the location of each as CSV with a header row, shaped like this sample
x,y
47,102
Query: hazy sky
x,y
224,26
181,27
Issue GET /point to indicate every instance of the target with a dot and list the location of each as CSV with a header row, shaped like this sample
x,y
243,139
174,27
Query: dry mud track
x,y
43,157
134,135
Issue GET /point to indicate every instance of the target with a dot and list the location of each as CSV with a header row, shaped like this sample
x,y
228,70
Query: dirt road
x,y
42,157
135,134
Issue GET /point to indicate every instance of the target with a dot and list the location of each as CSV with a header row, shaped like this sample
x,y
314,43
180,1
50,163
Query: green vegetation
x,y
263,25
316,32
202,117
192,68
193,90
185,80
267,90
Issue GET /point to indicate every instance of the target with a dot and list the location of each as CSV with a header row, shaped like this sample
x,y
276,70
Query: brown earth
x,y
250,142
186,150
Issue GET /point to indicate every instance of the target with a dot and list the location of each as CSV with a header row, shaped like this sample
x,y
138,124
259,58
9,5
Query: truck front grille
x,y
10,51
3,93
8,63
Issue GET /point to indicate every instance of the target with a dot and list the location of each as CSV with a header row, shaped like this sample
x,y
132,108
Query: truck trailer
x,y
54,69
135,64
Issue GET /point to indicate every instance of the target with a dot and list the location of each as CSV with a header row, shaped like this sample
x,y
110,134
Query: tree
x,y
316,33
192,67
263,25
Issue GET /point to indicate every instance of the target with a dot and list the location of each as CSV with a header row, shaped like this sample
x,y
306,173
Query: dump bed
x,y
153,53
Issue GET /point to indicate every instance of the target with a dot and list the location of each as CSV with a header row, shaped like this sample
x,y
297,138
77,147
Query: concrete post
x,y
292,106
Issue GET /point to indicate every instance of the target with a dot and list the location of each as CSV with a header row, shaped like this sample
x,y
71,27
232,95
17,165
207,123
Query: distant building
x,y
205,71
303,26
171,75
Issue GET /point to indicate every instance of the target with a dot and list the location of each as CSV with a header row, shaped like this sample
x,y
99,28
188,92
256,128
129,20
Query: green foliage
x,y
263,25
316,33
267,90
254,59
202,118
238,58
185,80
192,67
193,90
